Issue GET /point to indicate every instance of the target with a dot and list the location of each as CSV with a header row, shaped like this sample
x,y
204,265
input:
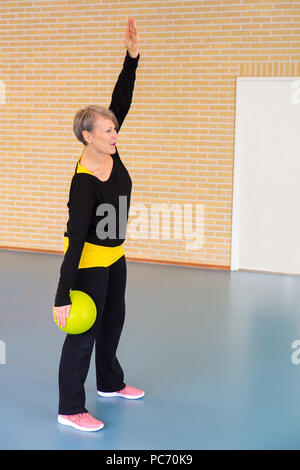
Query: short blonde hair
x,y
84,119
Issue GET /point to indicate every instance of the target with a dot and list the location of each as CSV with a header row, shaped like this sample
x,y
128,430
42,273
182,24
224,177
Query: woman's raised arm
x,y
123,90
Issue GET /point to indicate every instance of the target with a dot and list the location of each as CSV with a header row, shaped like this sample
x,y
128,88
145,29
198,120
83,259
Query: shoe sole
x,y
122,395
66,422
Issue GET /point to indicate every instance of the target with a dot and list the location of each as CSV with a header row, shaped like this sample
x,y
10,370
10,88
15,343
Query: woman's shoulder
x,y
83,179
83,183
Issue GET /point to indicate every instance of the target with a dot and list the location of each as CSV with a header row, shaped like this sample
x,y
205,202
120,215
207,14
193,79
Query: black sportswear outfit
x,y
105,284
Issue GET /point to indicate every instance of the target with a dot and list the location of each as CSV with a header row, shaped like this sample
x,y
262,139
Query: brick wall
x,y
178,139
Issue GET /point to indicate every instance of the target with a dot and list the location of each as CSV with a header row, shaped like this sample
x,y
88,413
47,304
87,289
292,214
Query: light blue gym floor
x,y
211,348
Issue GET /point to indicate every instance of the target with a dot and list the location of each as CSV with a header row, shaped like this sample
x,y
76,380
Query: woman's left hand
x,y
131,38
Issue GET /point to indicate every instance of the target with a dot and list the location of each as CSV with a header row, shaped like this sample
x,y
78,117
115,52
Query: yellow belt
x,y
94,255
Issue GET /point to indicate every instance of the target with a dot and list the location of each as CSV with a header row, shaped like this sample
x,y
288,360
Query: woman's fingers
x,y
131,24
59,318
68,309
61,314
65,315
131,36
63,318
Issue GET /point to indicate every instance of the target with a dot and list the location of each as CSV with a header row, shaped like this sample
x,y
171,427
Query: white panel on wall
x,y
266,192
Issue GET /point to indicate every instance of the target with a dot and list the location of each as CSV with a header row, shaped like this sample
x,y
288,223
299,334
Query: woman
x,y
94,260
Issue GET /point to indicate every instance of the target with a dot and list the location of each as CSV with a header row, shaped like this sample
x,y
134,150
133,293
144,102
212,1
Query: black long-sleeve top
x,y
87,192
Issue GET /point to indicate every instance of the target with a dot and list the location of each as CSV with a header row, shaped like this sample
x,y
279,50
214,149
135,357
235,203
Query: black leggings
x,y
106,286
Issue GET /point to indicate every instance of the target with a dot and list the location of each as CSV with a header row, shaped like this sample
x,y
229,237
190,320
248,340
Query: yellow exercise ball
x,y
83,313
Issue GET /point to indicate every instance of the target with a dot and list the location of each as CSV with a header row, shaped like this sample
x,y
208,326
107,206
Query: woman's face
x,y
104,136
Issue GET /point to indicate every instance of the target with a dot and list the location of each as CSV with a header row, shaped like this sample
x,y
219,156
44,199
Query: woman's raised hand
x,y
131,38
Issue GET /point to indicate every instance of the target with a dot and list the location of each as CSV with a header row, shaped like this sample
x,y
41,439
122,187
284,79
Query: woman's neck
x,y
91,158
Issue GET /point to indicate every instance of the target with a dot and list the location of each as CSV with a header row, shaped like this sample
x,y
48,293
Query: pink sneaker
x,y
81,421
127,392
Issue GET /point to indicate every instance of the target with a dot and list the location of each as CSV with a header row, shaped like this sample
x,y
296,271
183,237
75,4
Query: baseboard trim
x,y
128,258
